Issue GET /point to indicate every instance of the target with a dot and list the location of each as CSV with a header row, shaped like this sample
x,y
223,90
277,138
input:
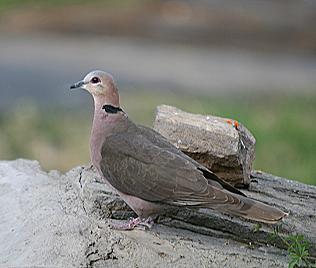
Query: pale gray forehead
x,y
101,74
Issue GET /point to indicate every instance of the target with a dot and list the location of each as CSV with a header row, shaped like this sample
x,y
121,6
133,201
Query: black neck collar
x,y
110,109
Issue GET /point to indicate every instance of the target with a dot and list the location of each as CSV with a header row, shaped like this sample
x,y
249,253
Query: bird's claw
x,y
146,224
133,223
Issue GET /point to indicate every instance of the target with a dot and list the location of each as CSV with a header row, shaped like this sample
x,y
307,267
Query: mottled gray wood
x,y
296,198
55,220
211,141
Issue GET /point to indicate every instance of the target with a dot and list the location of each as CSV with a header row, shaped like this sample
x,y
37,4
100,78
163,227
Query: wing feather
x,y
154,170
140,162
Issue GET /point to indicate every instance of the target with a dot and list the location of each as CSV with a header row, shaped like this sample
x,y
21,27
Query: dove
x,y
149,173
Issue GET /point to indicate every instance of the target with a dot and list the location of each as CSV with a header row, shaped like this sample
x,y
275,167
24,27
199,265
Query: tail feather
x,y
251,209
227,198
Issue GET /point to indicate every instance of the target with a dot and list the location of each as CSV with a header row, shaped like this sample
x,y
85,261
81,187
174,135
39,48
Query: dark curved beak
x,y
77,85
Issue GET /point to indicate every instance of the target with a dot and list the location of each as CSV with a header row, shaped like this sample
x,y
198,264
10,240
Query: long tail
x,y
248,208
226,198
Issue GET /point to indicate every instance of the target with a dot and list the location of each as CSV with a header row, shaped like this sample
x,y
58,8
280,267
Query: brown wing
x,y
143,164
155,170
162,142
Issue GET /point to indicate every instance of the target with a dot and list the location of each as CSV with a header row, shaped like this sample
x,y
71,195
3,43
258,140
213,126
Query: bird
x,y
148,172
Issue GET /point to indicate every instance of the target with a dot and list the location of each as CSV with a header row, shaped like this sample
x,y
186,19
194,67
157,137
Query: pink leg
x,y
137,223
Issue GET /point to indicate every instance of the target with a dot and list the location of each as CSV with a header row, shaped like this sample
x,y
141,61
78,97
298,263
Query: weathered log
x,y
54,220
227,150
296,198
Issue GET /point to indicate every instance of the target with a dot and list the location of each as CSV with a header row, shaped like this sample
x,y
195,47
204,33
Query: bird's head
x,y
101,86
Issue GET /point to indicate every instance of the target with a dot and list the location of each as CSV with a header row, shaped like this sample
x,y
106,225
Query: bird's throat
x,y
106,115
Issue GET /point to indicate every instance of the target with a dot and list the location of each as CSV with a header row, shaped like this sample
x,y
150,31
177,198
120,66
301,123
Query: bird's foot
x,y
134,223
146,224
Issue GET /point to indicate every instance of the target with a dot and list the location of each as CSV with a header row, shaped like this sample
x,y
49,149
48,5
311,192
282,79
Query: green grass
x,y
284,127
298,248
13,4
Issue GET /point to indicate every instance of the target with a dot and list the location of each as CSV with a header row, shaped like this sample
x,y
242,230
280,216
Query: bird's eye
x,y
95,80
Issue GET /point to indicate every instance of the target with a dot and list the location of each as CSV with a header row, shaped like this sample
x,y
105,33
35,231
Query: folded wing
x,y
141,163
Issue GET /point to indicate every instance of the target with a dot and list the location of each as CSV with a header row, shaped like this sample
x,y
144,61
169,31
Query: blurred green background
x,y
252,61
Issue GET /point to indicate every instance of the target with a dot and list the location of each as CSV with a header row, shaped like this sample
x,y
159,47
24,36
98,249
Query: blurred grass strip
x,y
284,127
13,4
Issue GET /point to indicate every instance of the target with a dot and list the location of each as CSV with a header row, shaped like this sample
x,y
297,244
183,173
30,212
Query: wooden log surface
x,y
296,198
61,220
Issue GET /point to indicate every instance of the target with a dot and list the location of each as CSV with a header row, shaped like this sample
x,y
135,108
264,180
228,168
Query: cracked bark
x,y
45,224
293,197
81,187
